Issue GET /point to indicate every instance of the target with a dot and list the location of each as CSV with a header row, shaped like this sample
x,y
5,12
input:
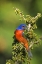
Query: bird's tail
x,y
29,54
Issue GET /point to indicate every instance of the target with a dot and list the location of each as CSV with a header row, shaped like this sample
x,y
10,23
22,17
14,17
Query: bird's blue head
x,y
21,27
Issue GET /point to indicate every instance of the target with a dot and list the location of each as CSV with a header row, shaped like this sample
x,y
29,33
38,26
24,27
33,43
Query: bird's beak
x,y
25,28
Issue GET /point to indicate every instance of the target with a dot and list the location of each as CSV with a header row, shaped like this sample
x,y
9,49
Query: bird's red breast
x,y
21,39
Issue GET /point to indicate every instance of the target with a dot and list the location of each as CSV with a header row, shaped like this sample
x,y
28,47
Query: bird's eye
x,y
23,26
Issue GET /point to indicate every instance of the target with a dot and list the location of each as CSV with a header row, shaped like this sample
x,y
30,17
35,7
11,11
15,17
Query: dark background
x,y
9,21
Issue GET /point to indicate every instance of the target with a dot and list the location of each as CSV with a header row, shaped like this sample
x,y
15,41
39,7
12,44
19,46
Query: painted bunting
x,y
20,38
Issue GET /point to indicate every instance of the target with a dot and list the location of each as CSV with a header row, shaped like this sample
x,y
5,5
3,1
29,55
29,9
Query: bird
x,y
20,38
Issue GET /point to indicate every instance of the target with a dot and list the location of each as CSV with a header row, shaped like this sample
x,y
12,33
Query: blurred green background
x,y
9,21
